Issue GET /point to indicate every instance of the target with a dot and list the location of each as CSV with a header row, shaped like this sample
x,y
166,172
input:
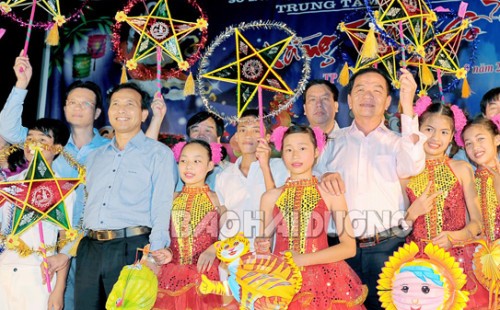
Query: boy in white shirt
x,y
240,186
22,285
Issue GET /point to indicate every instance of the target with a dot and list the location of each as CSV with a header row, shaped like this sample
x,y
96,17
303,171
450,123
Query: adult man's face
x,y
205,130
320,107
80,108
369,97
125,112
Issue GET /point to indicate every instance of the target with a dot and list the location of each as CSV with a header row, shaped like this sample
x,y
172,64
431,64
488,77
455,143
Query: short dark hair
x,y
350,85
491,95
145,98
93,87
204,115
333,89
255,113
58,128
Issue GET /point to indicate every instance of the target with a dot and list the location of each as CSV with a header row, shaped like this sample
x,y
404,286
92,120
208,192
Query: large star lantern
x,y
252,69
357,31
39,197
160,28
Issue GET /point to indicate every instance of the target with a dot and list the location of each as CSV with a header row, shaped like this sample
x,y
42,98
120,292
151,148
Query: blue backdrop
x,y
315,21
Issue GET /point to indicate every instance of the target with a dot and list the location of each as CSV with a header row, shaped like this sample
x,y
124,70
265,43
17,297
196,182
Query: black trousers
x,y
98,266
368,264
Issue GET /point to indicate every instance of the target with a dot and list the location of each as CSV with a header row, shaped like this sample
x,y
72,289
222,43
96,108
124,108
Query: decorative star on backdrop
x,y
159,28
252,69
39,197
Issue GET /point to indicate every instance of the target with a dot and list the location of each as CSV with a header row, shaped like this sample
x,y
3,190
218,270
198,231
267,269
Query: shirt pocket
x,y
135,187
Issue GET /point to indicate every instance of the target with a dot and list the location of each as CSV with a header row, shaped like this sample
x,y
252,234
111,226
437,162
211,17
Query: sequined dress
x,y
193,228
488,201
448,214
299,214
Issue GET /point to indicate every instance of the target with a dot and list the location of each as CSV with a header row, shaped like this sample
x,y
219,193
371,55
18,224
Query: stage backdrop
x,y
85,51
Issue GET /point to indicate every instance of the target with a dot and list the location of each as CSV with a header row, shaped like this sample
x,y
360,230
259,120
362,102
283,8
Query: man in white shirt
x,y
371,159
320,107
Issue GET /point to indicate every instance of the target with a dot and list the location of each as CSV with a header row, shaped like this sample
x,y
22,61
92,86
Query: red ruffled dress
x,y
490,208
448,214
194,227
302,217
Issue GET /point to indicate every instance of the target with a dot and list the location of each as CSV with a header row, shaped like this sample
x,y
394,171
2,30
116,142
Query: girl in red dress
x,y
481,139
194,228
444,203
298,213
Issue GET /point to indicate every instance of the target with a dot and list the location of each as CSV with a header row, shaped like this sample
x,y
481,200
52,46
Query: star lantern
x,y
39,197
247,67
160,33
357,32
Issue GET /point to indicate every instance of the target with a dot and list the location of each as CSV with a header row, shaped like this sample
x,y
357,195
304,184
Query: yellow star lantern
x,y
160,28
255,61
51,10
416,18
39,197
252,68
357,32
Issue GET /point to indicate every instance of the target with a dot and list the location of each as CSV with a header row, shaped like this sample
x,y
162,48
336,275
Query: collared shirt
x,y
65,169
371,167
131,187
241,195
30,236
11,128
13,131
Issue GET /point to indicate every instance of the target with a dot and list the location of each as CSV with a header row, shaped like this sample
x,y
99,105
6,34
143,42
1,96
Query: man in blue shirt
x,y
83,105
130,184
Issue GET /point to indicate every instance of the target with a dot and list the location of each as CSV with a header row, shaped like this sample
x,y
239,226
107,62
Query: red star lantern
x,y
39,197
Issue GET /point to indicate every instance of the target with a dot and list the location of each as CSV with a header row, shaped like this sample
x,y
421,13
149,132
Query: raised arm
x,y
159,109
11,128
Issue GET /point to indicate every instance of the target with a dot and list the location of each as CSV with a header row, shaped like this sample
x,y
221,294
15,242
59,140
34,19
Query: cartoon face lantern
x,y
418,285
432,283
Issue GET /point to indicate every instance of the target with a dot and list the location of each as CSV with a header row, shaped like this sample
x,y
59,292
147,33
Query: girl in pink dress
x,y
298,214
194,228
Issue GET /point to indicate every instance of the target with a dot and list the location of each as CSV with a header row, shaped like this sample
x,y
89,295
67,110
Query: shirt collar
x,y
380,128
97,140
138,141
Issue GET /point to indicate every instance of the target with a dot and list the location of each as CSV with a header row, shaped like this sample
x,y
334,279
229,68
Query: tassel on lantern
x,y
123,78
53,36
370,47
344,75
466,91
427,77
189,85
74,248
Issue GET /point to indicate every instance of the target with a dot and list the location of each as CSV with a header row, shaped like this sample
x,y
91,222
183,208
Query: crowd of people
x,y
341,200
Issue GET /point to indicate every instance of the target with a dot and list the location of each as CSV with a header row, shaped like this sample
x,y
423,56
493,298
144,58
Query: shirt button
x,y
15,269
119,155
109,186
102,222
114,170
104,204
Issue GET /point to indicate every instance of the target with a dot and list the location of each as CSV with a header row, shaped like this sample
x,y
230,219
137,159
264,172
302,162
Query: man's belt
x,y
366,242
105,235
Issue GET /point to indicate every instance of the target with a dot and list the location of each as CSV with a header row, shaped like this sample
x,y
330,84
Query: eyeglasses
x,y
82,104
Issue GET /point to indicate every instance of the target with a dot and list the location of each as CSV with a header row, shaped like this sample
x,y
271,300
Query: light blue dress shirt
x,y
13,131
132,187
